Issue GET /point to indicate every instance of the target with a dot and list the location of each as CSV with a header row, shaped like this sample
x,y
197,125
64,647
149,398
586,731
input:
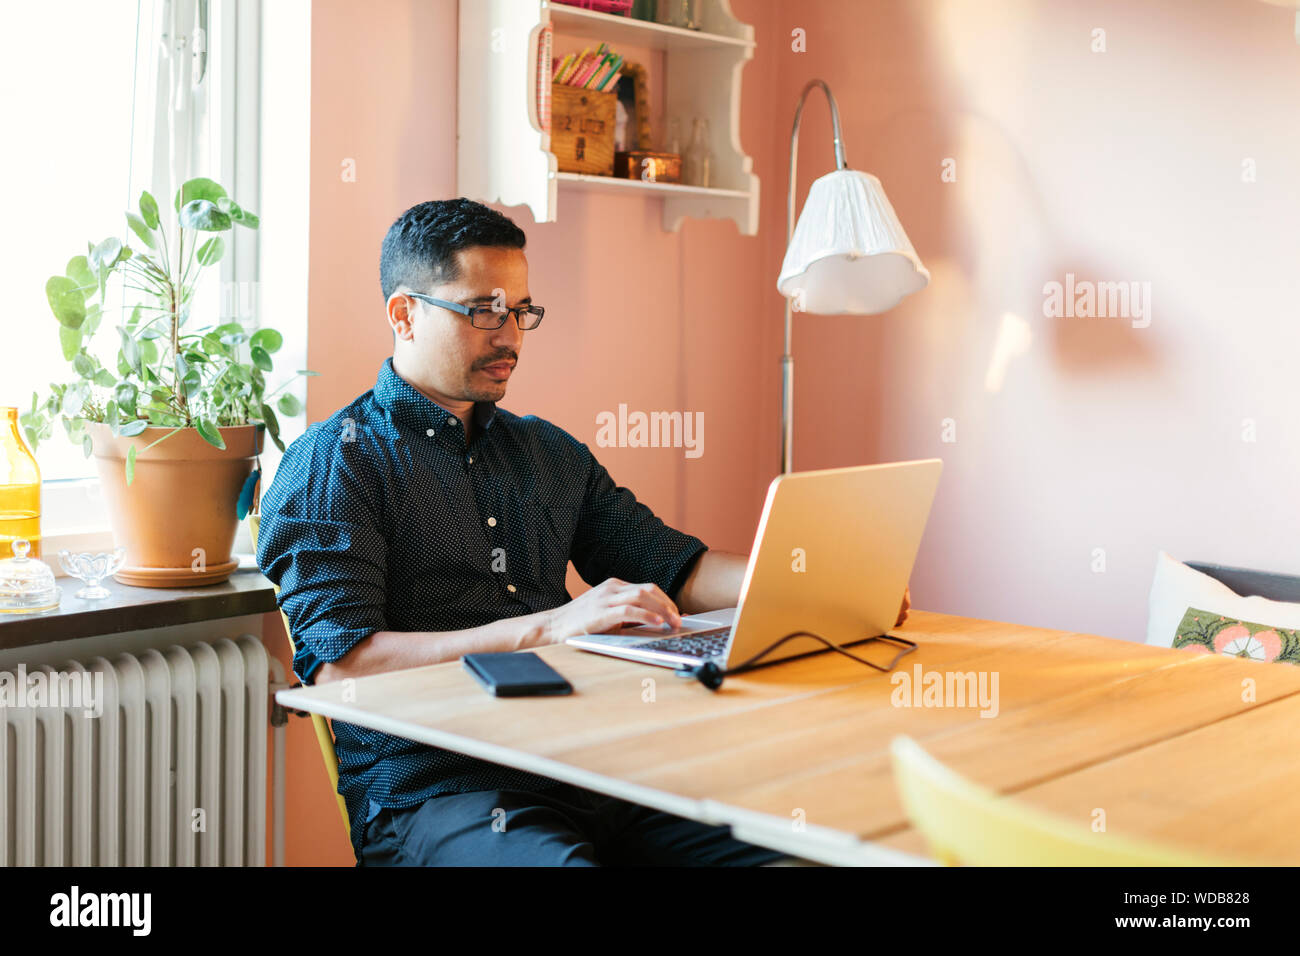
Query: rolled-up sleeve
x,y
619,537
321,541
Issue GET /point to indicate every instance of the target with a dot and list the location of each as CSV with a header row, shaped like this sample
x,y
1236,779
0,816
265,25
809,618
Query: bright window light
x,y
66,72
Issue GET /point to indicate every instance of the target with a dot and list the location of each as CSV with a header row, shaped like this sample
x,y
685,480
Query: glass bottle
x,y
673,140
20,488
674,13
697,164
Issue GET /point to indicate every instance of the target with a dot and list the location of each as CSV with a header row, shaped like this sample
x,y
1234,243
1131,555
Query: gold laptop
x,y
832,556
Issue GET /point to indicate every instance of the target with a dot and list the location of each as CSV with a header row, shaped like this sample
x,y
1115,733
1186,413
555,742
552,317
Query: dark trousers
x,y
561,826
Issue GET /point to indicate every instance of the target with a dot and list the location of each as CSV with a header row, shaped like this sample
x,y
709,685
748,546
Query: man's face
x,y
455,359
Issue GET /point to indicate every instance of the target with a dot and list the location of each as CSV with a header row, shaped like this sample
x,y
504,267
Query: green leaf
x,y
130,458
105,379
272,425
215,346
289,405
191,384
66,301
87,446
237,213
79,272
260,358
149,353
204,215
267,339
130,351
126,395
211,251
69,341
84,364
149,209
105,255
140,229
93,314
133,428
210,433
199,188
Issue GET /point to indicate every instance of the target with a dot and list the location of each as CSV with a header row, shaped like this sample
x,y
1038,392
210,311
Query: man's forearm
x,y
386,651
713,583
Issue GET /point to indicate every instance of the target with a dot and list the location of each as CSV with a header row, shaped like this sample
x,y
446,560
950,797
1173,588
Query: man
x,y
421,523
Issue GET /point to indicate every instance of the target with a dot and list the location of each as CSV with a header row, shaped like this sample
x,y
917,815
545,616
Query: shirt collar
x,y
410,407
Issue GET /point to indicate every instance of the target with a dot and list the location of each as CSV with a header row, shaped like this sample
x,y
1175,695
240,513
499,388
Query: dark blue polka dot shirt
x,y
382,519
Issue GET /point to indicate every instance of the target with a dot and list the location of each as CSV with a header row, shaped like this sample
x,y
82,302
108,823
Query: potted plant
x,y
176,421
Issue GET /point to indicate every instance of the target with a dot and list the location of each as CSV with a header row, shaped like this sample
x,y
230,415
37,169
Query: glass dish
x,y
92,568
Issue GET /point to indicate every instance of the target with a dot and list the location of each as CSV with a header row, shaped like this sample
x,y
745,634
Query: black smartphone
x,y
516,674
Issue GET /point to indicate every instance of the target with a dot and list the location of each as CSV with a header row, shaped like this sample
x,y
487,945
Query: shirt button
x,y
471,460
510,588
455,421
492,522
429,432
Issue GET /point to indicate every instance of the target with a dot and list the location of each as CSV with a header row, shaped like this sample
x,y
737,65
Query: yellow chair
x,y
966,824
324,736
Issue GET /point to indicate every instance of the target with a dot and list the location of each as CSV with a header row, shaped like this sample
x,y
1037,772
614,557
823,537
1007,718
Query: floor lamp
x,y
848,254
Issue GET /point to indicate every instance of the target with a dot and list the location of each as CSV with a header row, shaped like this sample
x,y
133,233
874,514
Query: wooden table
x,y
1192,748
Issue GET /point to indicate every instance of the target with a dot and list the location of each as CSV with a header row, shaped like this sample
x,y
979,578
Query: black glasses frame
x,y
475,312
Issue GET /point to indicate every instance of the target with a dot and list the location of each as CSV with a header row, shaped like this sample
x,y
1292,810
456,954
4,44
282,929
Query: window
x,y
67,165
144,94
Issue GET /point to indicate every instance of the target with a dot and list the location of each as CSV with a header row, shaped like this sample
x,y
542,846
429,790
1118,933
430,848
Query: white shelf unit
x,y
503,156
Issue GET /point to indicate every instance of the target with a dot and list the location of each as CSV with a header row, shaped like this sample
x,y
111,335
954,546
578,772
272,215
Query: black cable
x,y
711,675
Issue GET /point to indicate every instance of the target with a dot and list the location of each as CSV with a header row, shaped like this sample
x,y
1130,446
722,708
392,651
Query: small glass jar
x,y
26,584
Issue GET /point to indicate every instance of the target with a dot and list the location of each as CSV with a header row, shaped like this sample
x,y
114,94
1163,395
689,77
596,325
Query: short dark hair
x,y
420,248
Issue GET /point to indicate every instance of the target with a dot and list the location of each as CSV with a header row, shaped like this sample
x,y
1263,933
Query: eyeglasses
x,y
486,316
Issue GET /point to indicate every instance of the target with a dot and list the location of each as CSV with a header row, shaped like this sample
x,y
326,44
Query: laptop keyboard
x,y
704,644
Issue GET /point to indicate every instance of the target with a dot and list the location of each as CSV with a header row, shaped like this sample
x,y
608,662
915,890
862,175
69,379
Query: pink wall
x,y
1116,166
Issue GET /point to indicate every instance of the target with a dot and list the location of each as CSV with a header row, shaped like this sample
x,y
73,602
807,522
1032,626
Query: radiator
x,y
172,772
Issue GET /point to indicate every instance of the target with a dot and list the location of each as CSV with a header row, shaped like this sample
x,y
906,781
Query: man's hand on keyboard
x,y
907,603
606,606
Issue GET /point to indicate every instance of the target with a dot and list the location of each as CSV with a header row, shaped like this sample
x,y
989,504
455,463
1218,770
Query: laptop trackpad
x,y
690,624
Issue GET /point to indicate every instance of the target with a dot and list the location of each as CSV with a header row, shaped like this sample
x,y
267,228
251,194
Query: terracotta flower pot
x,y
177,518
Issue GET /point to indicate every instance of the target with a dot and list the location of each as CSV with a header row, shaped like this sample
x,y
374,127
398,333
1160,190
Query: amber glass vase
x,y
20,488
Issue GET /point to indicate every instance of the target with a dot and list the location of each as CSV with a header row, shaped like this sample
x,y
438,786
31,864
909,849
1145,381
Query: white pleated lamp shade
x,y
849,253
